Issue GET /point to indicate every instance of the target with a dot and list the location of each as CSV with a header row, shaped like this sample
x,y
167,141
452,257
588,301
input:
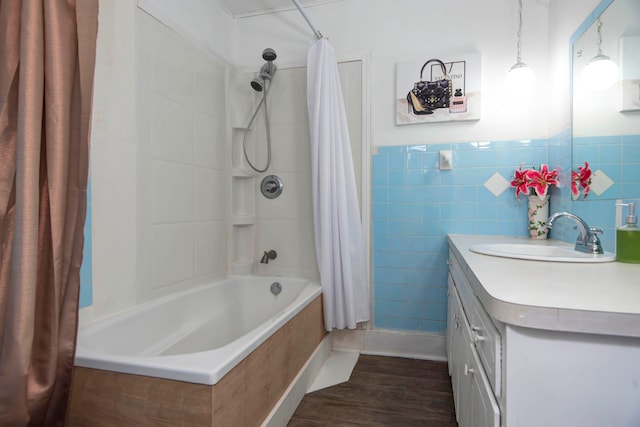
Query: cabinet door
x,y
461,362
451,316
455,346
484,408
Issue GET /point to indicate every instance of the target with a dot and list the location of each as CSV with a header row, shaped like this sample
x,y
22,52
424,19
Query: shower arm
x,y
306,18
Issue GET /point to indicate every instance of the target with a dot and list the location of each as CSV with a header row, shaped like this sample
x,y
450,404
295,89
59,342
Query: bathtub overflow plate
x,y
271,186
276,288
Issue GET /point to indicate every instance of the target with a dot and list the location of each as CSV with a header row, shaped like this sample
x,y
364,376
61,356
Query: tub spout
x,y
267,256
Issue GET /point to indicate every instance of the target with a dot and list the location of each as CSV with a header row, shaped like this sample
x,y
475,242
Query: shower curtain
x,y
47,52
338,229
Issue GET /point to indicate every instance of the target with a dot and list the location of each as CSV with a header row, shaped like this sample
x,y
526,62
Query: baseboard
x,y
405,344
286,406
414,345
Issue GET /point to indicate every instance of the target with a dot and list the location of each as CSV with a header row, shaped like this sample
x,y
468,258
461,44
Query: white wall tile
x,y
151,98
208,187
173,67
203,23
172,192
210,244
114,226
295,201
294,243
288,97
172,253
209,83
208,141
172,131
242,99
291,148
113,161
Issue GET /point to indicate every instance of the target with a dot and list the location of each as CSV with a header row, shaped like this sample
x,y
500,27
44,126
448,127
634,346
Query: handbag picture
x,y
427,96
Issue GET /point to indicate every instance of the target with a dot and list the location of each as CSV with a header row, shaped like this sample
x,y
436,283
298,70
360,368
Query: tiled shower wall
x,y
285,224
180,234
181,165
180,155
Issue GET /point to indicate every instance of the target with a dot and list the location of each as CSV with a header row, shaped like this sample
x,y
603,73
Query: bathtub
x,y
224,354
196,336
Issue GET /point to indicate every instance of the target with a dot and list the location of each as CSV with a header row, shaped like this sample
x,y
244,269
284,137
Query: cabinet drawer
x,y
462,285
484,334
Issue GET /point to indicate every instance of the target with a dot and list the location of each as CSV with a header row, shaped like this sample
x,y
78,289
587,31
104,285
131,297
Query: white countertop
x,y
600,298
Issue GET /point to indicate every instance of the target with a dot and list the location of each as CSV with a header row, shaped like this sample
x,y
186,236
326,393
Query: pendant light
x,y
601,72
520,79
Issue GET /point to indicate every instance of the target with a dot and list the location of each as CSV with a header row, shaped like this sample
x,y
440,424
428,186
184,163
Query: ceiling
x,y
242,8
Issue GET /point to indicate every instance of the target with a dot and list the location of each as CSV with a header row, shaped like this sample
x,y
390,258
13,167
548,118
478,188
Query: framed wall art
x,y
436,89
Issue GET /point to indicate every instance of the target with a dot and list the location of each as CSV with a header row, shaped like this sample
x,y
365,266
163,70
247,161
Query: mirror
x,y
606,122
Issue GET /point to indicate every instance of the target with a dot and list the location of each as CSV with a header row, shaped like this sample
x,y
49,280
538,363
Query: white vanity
x,y
542,344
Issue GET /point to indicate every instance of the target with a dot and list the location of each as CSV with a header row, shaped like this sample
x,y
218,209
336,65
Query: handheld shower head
x,y
257,84
267,72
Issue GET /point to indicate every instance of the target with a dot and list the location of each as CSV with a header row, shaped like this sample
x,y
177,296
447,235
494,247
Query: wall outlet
x,y
446,159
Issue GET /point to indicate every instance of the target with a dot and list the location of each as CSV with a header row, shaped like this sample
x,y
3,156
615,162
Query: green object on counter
x,y
628,238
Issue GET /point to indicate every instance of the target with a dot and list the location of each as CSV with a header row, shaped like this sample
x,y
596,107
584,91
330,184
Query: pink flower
x,y
520,182
540,181
530,180
581,178
575,181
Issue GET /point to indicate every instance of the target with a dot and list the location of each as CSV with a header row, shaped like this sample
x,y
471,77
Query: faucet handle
x,y
593,242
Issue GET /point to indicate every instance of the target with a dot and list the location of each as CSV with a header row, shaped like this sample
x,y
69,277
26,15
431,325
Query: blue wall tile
x,y
605,153
409,246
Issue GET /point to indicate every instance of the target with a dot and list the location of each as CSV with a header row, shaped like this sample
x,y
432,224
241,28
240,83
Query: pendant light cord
x,y
599,37
519,59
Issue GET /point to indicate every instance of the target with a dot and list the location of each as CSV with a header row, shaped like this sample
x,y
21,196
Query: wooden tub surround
x,y
243,397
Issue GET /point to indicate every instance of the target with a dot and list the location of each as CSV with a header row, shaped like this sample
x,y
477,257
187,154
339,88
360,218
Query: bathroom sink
x,y
540,251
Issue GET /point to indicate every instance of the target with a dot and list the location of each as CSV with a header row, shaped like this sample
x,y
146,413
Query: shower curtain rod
x,y
304,15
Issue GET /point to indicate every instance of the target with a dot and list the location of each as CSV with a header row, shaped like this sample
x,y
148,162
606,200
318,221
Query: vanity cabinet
x,y
473,351
531,344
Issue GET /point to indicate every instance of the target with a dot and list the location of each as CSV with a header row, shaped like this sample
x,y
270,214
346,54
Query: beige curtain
x,y
47,56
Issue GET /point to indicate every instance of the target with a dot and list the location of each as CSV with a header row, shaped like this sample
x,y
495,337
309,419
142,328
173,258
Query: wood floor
x,y
383,391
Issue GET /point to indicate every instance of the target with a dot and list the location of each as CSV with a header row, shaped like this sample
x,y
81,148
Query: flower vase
x,y
538,215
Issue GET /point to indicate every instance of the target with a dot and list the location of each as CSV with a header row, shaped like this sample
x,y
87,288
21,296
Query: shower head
x,y
269,54
258,84
266,71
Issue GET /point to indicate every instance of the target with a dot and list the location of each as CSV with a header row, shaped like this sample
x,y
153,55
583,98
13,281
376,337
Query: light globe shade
x,y
599,74
520,80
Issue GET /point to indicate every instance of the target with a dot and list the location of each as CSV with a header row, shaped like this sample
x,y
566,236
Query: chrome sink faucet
x,y
588,240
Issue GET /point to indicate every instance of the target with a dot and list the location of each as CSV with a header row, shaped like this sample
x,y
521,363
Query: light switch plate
x,y
446,159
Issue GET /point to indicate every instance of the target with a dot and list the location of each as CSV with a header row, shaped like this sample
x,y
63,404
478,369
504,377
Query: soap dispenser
x,y
628,237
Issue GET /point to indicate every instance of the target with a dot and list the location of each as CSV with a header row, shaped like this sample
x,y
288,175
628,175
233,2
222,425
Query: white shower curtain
x,y
338,229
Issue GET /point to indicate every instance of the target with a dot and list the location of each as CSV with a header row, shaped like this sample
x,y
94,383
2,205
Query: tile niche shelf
x,y
243,196
243,222
243,241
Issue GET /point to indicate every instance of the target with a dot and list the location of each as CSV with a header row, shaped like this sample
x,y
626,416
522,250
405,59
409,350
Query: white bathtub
x,y
196,336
